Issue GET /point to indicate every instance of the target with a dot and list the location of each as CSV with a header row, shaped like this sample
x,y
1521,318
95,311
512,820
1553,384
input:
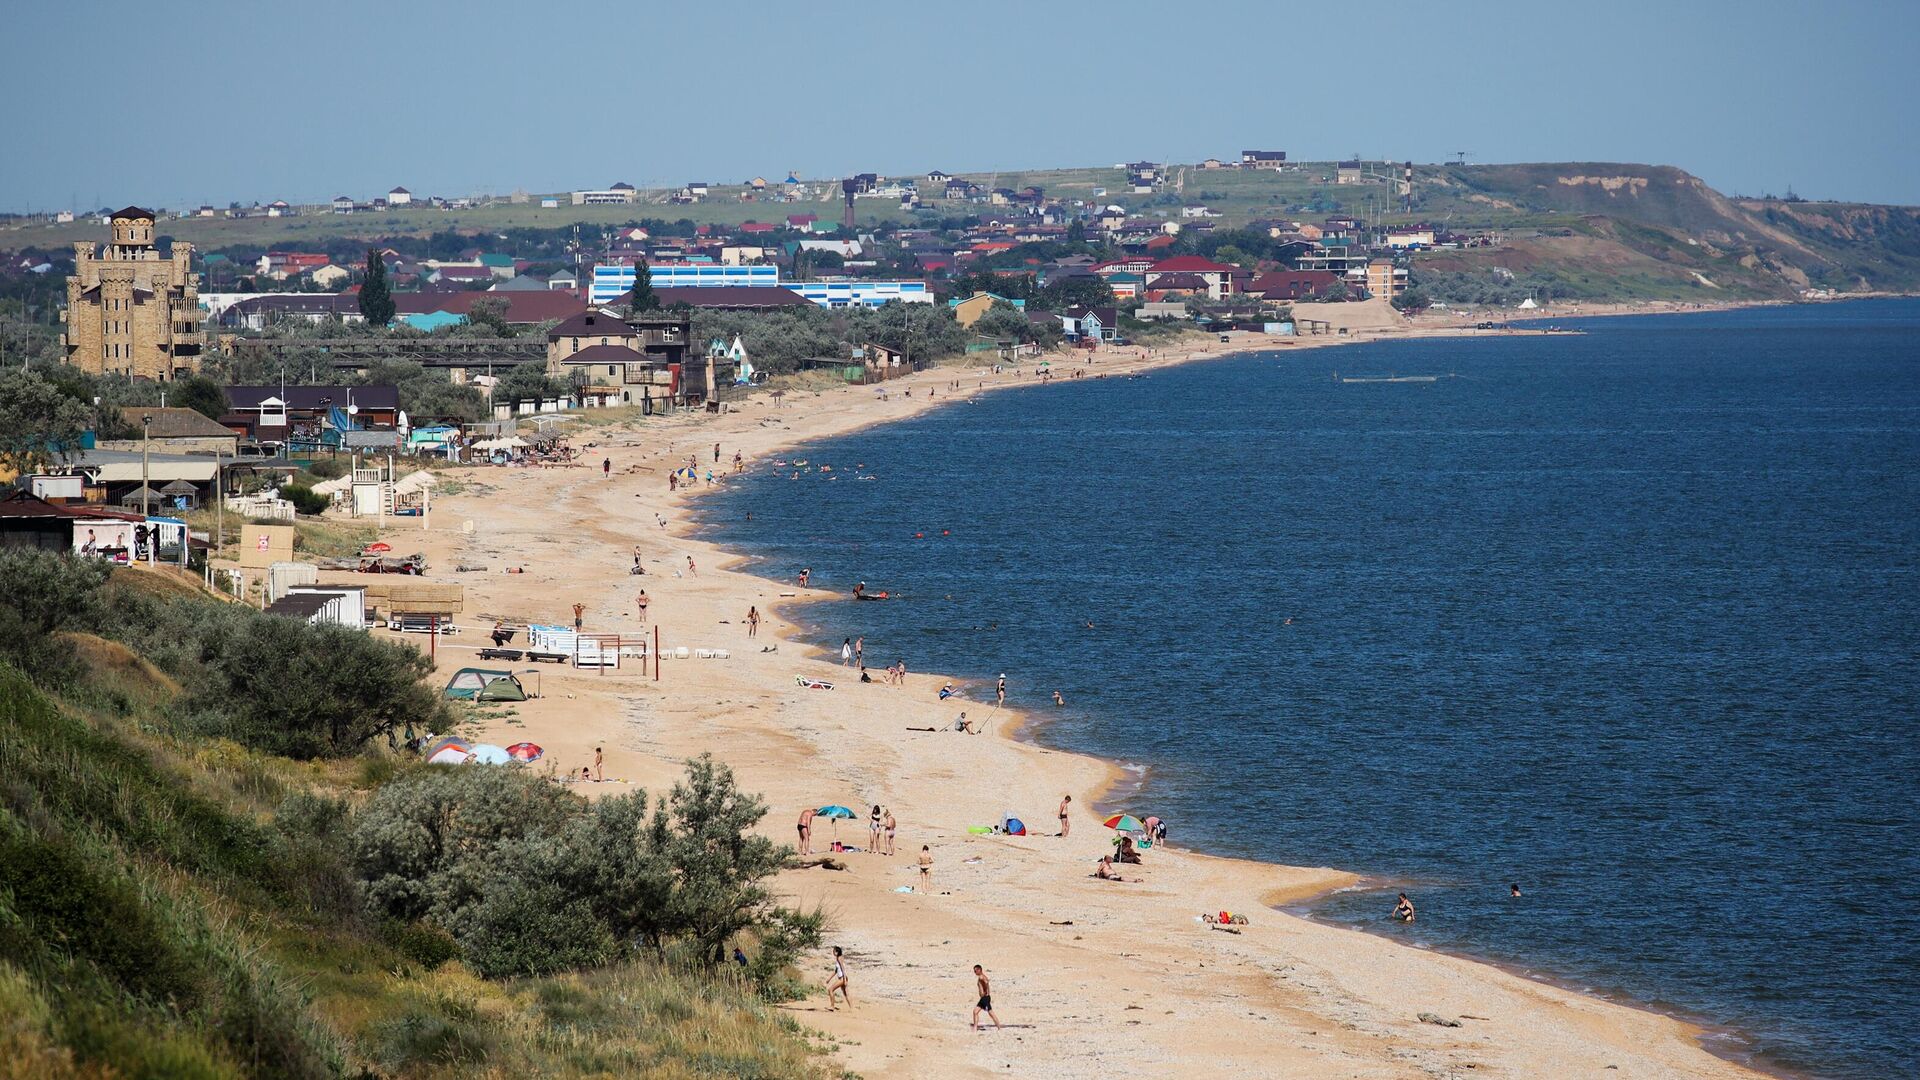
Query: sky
x,y
111,103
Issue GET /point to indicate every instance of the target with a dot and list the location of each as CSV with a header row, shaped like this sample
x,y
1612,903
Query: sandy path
x,y
1134,986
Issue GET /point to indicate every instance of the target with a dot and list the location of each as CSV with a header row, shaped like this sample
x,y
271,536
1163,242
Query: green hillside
x,y
175,906
1599,229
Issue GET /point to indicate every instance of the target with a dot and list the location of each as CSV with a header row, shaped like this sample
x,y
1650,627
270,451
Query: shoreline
x,y
799,737
1723,1041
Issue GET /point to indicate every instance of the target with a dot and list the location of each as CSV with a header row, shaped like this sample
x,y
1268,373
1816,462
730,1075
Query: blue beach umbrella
x,y
836,813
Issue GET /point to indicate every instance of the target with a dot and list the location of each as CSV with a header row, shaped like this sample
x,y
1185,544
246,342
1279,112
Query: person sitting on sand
x,y
1404,909
1125,852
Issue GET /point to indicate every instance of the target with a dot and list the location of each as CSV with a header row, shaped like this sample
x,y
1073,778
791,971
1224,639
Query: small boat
x,y
1390,378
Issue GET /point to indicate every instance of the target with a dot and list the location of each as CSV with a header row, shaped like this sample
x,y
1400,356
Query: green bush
x,y
46,592
305,500
530,879
328,468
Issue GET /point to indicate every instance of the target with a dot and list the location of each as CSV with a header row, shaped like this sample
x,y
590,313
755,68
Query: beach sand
x,y
1094,979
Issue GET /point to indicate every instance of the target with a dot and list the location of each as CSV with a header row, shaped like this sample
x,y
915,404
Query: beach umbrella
x,y
377,546
454,754
1124,823
524,751
489,754
835,813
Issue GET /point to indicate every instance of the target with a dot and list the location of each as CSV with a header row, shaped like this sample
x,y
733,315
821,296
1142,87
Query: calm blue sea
x,y
1629,619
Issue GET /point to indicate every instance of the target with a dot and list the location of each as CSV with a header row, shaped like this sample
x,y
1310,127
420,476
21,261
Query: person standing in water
x,y
1404,909
846,653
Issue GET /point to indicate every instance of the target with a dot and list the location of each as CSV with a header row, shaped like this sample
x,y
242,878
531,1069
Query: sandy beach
x,y
1092,978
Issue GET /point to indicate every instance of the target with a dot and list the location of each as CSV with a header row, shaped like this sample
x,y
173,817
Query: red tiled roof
x,y
522,307
605,354
1191,264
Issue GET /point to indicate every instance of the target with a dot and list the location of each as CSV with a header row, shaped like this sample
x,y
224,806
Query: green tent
x,y
482,684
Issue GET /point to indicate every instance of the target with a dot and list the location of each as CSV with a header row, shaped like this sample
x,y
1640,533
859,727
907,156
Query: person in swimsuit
x,y
1404,909
846,653
641,603
926,867
806,831
753,621
599,760
1000,690
985,1004
839,980
1066,822
873,829
578,611
887,824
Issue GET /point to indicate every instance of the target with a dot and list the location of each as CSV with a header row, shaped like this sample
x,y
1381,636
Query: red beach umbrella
x,y
524,751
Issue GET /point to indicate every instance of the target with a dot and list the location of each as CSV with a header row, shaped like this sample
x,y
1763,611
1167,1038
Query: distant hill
x,y
1602,230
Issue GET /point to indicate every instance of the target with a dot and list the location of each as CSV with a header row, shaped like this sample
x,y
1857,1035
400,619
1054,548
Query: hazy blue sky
x,y
210,102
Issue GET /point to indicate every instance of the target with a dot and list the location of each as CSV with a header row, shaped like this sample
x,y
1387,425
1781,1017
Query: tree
x,y
38,424
376,299
1088,290
1337,292
1077,231
642,298
1413,299
201,394
528,382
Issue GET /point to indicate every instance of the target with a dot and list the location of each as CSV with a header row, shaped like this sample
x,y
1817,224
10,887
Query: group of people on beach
x,y
838,982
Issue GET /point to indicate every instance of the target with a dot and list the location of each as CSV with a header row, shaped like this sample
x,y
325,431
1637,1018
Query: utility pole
x,y
146,443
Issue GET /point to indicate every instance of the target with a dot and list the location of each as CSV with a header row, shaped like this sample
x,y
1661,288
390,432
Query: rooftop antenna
x,y
1460,157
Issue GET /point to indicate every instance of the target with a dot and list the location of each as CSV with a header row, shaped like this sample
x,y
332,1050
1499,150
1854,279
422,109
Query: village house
x,y
1263,159
617,194
967,312
1090,323
131,311
1217,276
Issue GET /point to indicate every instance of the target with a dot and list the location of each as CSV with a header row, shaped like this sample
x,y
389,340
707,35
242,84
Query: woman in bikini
x,y
839,980
887,824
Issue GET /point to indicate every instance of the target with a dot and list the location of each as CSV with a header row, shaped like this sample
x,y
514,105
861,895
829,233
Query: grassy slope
x,y
1655,227
157,920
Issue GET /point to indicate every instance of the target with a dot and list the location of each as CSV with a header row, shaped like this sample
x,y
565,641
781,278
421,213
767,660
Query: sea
x,y
1627,617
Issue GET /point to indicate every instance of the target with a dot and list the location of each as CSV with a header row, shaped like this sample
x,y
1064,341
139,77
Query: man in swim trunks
x,y
806,831
1066,823
985,1004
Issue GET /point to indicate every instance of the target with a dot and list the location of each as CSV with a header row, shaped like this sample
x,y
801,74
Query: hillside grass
x,y
178,909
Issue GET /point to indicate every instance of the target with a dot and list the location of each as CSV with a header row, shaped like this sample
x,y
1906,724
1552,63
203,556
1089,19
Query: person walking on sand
x,y
599,760
887,825
691,572
1404,909
839,980
846,653
806,831
606,468
716,452
753,621
985,1004
1066,817
578,611
873,830
641,603
926,868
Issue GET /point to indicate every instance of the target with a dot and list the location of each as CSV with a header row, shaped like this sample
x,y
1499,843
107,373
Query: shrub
x,y
305,500
529,879
46,592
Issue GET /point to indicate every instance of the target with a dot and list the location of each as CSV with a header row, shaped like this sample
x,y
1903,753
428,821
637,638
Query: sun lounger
x,y
812,684
539,656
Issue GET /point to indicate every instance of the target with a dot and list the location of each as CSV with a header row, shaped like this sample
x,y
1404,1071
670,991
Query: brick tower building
x,y
130,311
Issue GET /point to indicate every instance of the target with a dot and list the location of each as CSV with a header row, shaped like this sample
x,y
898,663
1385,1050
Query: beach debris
x,y
1437,1020
1235,930
824,862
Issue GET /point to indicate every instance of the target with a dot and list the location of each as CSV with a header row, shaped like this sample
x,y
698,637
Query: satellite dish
x,y
353,410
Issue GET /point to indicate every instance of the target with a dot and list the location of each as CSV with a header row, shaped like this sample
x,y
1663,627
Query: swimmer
x,y
1404,909
1514,889
1058,700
